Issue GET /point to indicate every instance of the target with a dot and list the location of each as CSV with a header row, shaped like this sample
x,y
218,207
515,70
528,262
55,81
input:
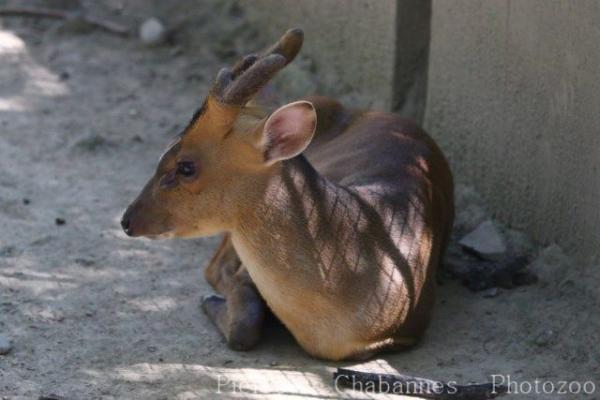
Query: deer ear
x,y
288,131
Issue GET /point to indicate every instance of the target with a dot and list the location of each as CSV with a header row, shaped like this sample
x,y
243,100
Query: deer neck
x,y
290,222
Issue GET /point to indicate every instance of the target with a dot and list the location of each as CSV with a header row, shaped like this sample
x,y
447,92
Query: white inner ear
x,y
288,131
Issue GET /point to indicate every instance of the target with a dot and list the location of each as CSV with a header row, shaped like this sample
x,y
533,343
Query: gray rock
x,y
152,32
486,241
5,345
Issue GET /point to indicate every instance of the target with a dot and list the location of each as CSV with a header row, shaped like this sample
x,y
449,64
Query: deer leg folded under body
x,y
240,312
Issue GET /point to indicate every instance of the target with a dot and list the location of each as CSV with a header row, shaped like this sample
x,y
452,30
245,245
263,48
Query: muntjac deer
x,y
334,219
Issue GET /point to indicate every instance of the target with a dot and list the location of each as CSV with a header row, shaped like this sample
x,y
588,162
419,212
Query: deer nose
x,y
125,225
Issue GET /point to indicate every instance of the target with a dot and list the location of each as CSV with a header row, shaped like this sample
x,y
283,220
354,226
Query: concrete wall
x,y
512,93
354,45
514,99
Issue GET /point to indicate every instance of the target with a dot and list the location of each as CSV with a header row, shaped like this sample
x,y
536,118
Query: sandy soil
x,y
94,315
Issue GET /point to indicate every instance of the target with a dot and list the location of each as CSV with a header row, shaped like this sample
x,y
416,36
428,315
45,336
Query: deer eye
x,y
186,168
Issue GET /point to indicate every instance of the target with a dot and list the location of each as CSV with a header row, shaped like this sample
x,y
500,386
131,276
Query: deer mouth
x,y
160,236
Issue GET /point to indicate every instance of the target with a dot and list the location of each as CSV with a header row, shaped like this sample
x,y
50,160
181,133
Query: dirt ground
x,y
92,314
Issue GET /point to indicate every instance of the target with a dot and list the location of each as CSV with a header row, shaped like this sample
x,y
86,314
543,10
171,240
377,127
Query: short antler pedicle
x,y
238,84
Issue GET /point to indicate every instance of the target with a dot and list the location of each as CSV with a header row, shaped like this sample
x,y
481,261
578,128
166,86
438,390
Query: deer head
x,y
203,179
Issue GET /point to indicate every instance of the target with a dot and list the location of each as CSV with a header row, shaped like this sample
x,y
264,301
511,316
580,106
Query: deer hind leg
x,y
238,314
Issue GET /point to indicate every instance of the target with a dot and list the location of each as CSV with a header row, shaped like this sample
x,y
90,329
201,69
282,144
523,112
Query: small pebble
x,y
491,292
85,262
152,32
546,338
5,345
60,221
51,396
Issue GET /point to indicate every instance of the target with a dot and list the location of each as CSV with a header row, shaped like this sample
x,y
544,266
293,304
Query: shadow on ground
x,y
92,314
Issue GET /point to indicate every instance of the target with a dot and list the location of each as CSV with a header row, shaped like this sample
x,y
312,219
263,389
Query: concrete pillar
x,y
514,100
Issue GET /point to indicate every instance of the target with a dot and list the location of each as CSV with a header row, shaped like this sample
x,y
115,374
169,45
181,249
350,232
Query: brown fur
x,y
342,243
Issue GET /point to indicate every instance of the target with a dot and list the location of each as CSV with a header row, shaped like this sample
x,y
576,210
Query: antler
x,y
238,84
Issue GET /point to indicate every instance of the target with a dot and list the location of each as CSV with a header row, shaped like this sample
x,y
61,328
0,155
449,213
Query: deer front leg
x,y
239,315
